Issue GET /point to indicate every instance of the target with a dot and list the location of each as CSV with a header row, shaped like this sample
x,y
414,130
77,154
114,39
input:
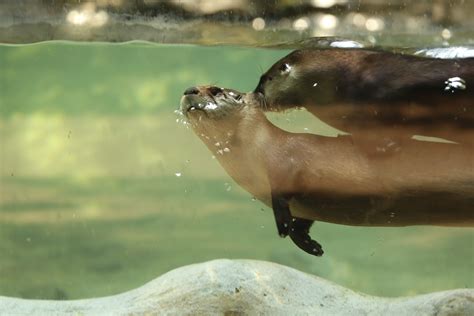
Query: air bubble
x,y
455,83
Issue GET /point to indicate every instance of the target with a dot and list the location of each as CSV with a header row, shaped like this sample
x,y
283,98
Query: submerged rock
x,y
245,287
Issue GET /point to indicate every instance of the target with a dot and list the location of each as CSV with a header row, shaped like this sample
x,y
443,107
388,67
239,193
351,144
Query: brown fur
x,y
333,179
364,92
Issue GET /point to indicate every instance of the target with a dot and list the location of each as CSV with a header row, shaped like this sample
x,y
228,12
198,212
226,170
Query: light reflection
x,y
346,44
374,24
447,52
323,3
372,40
77,18
446,34
359,20
301,24
328,21
87,15
455,83
412,23
258,24
106,3
209,7
100,18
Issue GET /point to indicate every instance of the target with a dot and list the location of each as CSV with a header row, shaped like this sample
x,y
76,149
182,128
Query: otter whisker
x,y
263,102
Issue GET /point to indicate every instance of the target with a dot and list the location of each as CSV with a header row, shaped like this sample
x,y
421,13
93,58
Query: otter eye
x,y
235,96
215,91
285,68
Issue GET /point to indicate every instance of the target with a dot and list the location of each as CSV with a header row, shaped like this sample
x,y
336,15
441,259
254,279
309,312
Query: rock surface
x,y
245,287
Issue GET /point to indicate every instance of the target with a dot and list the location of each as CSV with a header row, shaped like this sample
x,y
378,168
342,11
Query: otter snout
x,y
212,90
191,90
192,100
213,101
200,98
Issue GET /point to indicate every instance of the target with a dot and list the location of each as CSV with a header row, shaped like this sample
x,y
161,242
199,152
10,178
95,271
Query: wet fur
x,y
360,91
306,177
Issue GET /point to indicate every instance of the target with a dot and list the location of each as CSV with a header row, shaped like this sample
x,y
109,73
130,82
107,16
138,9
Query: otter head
x,y
234,128
216,114
277,83
304,77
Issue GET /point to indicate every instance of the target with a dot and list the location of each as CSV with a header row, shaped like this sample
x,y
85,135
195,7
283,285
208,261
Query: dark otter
x,y
306,177
364,92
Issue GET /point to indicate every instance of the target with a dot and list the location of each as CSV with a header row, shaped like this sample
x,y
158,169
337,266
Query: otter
x,y
371,93
307,177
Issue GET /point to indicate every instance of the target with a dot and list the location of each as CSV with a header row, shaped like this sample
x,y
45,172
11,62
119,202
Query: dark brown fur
x,y
365,91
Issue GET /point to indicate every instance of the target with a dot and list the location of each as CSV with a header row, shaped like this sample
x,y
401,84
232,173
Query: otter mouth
x,y
209,100
259,88
191,103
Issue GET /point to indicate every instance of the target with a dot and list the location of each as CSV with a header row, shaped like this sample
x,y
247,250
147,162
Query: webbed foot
x,y
299,233
296,228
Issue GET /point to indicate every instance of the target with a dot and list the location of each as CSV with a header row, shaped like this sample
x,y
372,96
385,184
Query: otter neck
x,y
246,160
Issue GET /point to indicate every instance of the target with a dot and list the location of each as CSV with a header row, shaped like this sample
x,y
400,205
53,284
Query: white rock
x,y
245,287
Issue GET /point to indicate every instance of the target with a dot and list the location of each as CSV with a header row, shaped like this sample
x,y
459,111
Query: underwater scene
x,y
104,187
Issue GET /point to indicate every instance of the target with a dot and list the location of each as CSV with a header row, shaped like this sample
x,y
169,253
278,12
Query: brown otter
x,y
306,177
367,92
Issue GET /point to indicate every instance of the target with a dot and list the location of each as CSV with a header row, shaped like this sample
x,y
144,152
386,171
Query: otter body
x,y
306,177
360,91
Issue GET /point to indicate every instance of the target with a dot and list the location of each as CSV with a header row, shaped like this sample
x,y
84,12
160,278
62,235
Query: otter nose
x,y
192,90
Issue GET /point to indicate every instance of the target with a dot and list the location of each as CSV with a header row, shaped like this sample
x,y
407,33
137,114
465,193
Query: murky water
x,y
102,190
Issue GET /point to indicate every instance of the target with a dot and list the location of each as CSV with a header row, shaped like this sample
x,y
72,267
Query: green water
x,y
101,190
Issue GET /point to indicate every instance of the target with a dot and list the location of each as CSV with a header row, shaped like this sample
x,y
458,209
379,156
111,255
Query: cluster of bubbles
x,y
181,118
220,150
455,83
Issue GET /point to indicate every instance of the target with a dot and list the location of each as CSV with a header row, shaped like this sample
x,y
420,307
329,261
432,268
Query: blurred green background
x,y
102,190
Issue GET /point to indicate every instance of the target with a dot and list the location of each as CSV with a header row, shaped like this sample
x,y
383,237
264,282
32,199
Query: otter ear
x,y
285,69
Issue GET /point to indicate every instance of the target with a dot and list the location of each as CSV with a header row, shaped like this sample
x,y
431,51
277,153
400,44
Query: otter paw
x,y
283,229
308,245
281,211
